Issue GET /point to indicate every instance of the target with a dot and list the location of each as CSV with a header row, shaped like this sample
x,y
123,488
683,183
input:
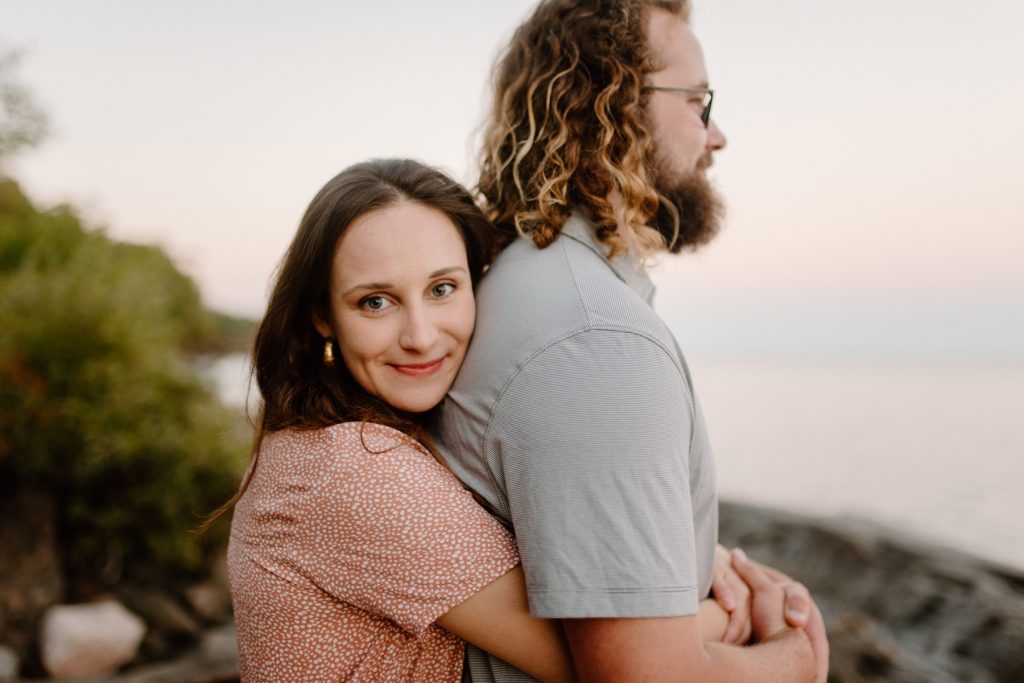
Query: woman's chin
x,y
417,401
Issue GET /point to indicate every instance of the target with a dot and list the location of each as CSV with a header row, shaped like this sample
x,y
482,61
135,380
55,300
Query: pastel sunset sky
x,y
874,152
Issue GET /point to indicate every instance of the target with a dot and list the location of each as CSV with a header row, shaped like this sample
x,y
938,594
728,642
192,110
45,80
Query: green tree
x,y
22,123
98,402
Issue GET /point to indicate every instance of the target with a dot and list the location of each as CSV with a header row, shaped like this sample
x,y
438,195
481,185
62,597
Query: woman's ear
x,y
323,328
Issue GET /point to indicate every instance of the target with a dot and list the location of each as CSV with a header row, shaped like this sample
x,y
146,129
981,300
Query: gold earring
x,y
328,352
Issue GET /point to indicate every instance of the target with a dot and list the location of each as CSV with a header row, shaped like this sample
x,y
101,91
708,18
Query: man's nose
x,y
716,138
418,330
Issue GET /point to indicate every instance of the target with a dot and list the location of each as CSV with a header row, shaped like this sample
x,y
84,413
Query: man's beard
x,y
699,207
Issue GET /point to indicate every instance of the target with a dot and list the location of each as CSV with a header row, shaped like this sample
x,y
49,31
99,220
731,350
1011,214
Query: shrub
x,y
99,405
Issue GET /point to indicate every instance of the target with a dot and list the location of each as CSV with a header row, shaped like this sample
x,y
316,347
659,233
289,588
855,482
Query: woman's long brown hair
x,y
299,390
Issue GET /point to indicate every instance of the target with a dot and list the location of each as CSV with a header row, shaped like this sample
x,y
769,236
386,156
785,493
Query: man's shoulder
x,y
562,308
549,294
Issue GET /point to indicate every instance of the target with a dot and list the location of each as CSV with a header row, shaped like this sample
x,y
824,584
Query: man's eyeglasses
x,y
708,93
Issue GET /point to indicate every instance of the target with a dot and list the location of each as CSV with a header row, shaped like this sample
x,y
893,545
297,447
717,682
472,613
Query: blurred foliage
x,y
99,404
226,334
22,123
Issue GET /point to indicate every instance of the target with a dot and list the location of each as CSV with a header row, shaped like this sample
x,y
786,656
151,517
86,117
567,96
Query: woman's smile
x,y
418,370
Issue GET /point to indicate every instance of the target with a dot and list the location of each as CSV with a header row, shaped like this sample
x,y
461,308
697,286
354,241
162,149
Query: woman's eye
x,y
443,289
374,303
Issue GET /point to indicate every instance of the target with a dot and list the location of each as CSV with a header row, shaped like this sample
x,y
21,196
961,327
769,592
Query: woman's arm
x,y
497,619
713,620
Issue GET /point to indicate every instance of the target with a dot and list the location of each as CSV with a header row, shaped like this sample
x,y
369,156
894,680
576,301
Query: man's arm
x,y
497,619
670,649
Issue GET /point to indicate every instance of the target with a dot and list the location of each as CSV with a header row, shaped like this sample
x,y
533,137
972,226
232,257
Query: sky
x,y
872,172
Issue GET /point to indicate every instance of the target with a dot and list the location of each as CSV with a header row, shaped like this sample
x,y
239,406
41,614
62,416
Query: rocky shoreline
x,y
897,610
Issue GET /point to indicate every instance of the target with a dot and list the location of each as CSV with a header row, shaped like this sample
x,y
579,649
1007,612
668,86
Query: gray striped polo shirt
x,y
574,418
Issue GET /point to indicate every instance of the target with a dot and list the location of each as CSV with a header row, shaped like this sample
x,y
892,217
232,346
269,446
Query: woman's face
x,y
402,304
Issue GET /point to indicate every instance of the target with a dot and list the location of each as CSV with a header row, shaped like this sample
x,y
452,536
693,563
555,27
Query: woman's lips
x,y
419,369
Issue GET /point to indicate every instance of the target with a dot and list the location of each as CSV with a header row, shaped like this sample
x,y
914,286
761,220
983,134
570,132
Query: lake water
x,y
934,449
931,448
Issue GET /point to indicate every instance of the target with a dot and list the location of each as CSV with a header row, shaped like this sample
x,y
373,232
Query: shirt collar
x,y
624,266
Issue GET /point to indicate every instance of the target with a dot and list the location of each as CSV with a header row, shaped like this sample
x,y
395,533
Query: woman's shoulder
x,y
347,448
373,438
368,437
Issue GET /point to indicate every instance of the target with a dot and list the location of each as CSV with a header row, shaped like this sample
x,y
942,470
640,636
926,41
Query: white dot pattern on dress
x,y
347,546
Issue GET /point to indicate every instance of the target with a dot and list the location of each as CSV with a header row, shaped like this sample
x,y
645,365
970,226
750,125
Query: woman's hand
x,y
768,602
733,594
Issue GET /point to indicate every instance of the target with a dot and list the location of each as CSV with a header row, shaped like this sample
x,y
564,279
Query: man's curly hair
x,y
567,124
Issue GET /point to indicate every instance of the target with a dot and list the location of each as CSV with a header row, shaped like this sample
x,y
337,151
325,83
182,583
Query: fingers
x,y
798,604
724,595
733,594
798,598
748,632
720,584
739,627
775,574
767,601
748,622
799,610
815,630
734,629
750,572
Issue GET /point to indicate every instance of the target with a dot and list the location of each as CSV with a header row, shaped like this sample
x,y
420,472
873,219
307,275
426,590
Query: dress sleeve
x,y
395,533
593,438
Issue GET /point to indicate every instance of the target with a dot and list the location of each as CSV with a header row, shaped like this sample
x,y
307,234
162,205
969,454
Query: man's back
x,y
574,418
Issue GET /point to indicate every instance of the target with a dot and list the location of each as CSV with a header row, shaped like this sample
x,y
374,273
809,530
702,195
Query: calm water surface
x,y
934,449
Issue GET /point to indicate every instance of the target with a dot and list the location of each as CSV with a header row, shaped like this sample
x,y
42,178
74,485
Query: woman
x,y
354,552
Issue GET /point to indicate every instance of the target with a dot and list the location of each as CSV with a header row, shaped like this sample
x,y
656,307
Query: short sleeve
x,y
394,533
592,436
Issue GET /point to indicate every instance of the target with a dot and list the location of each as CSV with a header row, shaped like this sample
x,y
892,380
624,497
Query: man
x,y
574,416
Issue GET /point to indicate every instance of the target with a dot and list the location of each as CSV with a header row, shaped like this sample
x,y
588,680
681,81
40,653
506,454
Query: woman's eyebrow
x,y
388,285
368,285
445,271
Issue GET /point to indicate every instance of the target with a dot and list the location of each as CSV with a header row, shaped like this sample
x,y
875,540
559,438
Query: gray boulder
x,y
80,641
8,665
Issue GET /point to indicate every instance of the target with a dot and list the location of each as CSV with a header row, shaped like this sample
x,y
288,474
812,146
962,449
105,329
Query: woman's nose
x,y
418,330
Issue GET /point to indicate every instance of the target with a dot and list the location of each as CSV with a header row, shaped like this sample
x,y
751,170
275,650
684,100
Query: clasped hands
x,y
762,602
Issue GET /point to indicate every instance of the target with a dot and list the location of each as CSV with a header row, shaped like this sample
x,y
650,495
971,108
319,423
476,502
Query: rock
x,y
161,612
80,641
214,661
220,644
30,576
896,609
172,630
8,664
209,600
